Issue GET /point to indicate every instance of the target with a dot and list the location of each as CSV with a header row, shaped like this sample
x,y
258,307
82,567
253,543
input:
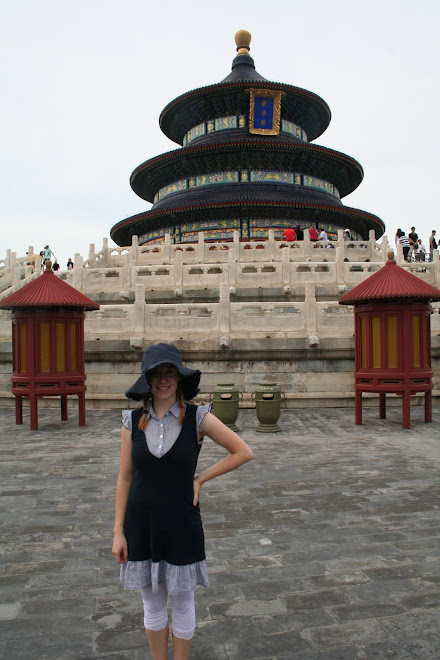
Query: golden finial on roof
x,y
390,255
243,39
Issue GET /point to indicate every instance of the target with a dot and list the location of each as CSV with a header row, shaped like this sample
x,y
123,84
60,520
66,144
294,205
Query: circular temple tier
x,y
245,163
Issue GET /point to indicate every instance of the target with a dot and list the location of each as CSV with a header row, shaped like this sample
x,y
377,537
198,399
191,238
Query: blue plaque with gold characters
x,y
264,111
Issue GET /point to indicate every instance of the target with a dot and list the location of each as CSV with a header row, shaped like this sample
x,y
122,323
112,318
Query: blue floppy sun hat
x,y
164,354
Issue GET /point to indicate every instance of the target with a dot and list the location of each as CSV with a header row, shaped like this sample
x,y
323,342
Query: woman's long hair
x,y
148,398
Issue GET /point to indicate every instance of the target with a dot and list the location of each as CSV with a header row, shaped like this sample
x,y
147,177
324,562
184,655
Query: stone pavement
x,y
326,546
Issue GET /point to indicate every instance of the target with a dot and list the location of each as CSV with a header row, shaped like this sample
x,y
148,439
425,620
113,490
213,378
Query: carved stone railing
x,y
263,264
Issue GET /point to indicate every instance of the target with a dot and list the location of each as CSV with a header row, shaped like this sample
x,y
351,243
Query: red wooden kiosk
x,y
48,344
392,337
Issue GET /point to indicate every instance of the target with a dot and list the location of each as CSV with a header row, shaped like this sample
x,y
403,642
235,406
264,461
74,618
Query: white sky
x,y
83,84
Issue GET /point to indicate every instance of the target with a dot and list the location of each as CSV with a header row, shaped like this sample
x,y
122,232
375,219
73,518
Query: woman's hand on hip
x,y
197,487
120,548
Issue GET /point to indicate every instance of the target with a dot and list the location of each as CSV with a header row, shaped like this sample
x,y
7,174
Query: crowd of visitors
x,y
47,255
413,246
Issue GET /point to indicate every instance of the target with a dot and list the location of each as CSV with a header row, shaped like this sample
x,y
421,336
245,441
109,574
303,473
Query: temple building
x,y
247,163
206,267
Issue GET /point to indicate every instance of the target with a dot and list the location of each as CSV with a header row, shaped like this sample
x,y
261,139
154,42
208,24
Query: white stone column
x,y
16,274
384,247
236,242
126,272
285,264
308,245
77,271
311,311
271,245
201,248
232,264
92,255
139,308
225,309
105,253
167,249
133,252
178,269
339,263
436,265
371,244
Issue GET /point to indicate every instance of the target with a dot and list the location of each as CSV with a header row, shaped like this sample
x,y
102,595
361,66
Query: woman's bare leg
x,y
158,641
181,648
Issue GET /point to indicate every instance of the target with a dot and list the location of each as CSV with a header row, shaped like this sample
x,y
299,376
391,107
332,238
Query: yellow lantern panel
x,y
44,347
60,347
23,341
416,341
375,343
392,352
363,342
73,347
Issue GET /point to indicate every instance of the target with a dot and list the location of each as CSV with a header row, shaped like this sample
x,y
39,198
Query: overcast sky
x,y
83,84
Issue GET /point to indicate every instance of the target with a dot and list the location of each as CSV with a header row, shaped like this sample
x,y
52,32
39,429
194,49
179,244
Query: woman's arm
x,y
125,479
239,451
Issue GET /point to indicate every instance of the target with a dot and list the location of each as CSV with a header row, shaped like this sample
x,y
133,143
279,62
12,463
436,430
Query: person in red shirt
x,y
313,233
289,234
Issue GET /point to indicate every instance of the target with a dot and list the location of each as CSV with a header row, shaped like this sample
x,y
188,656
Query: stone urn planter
x,y
225,400
268,407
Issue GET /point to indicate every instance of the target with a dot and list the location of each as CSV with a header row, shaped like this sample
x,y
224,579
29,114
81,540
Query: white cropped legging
x,y
183,614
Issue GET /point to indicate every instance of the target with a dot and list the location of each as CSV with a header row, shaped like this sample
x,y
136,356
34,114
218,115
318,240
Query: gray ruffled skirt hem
x,y
177,579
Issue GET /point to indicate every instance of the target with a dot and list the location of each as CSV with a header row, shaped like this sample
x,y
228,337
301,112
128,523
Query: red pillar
x,y
34,412
82,409
358,407
382,406
428,406
18,410
64,412
406,405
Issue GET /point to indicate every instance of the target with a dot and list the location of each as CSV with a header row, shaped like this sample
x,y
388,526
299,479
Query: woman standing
x,y
158,533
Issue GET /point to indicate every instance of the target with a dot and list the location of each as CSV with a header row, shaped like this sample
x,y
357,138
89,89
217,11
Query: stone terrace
x,y
245,311
326,546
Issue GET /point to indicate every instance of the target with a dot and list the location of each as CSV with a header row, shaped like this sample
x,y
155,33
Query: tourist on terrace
x,y
322,238
289,234
420,251
299,233
47,254
69,264
413,238
323,235
404,242
432,245
158,534
313,234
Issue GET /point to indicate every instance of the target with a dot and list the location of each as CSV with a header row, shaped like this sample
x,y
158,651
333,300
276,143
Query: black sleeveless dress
x,y
161,522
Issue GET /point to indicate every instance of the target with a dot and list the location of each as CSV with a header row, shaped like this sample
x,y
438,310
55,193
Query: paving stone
x,y
325,547
117,640
9,611
414,624
354,633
